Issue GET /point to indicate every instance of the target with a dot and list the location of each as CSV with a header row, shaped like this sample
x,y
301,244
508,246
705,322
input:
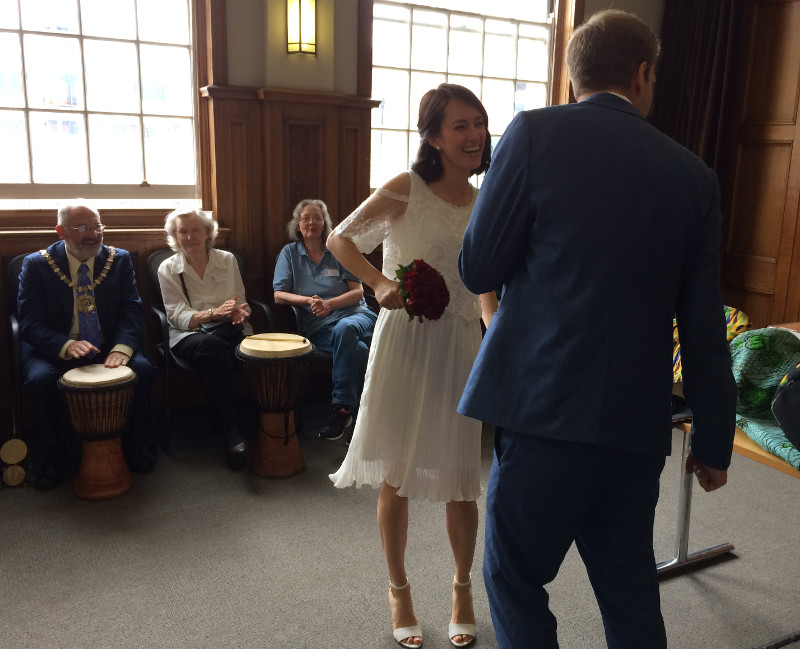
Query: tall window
x,y
505,61
96,100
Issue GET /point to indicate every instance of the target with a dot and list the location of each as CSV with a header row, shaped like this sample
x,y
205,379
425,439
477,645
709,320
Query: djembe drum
x,y
99,401
276,366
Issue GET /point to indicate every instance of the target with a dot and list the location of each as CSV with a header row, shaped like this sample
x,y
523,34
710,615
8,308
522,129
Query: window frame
x,y
208,33
553,84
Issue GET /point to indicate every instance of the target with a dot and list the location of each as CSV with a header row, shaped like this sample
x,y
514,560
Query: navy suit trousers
x,y
543,495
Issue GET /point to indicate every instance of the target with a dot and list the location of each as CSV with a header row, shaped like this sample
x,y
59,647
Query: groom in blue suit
x,y
54,342
599,229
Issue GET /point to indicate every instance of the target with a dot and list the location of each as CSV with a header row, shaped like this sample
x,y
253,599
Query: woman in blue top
x,y
335,316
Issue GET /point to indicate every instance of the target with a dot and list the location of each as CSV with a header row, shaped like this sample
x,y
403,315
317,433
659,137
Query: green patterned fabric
x,y
761,359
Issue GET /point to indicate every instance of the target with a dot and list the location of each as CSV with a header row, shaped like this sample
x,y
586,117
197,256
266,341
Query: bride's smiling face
x,y
462,136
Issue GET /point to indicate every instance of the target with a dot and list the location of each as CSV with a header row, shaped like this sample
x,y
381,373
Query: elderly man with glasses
x,y
78,304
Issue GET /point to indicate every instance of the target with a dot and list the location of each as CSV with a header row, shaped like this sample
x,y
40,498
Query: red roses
x,y
423,290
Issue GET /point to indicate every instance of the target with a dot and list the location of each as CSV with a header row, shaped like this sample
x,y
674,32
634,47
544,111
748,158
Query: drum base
x,y
277,456
103,473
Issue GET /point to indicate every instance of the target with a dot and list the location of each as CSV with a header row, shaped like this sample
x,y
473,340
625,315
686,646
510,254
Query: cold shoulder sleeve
x,y
371,222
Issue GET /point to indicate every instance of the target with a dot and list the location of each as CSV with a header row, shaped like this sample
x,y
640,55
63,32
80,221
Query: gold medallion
x,y
86,303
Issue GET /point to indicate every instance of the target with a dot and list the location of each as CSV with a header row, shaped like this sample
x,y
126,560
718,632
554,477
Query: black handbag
x,y
786,406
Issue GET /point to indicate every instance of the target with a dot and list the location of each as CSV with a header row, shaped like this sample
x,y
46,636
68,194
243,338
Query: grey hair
x,y
293,226
64,210
171,226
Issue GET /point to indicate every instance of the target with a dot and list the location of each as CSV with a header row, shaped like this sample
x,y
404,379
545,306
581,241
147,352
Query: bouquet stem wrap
x,y
423,289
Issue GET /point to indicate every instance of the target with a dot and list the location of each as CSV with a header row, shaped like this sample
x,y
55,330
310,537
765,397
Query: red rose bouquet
x,y
423,290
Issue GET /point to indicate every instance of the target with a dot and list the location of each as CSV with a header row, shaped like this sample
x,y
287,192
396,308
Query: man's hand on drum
x,y
116,359
319,307
79,349
387,292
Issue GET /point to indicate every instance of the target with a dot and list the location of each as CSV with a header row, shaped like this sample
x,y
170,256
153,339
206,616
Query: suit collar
x,y
611,100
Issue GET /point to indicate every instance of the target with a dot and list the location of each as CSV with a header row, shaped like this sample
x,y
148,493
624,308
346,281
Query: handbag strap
x,y
185,292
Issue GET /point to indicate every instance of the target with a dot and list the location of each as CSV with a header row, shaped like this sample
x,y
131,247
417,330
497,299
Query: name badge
x,y
331,272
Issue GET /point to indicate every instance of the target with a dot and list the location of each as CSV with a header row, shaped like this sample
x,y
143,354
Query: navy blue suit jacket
x,y
45,303
599,229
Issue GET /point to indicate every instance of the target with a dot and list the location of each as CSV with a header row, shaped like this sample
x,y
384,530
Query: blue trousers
x,y
543,495
348,340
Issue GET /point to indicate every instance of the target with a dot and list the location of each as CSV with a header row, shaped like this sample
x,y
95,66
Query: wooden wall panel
x,y
758,201
303,160
317,146
775,71
761,184
237,197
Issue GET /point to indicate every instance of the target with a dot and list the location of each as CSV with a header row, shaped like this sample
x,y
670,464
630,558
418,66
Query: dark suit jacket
x,y
46,304
600,229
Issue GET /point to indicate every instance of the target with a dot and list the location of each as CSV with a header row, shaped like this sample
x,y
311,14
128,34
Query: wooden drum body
x,y
99,400
276,366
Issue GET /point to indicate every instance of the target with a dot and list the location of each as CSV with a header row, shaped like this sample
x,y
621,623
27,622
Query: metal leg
x,y
781,642
682,559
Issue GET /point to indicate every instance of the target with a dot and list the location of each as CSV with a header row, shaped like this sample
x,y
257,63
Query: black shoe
x,y
340,418
49,475
137,456
235,449
140,463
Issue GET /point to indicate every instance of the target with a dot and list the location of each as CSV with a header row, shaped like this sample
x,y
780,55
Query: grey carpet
x,y
197,556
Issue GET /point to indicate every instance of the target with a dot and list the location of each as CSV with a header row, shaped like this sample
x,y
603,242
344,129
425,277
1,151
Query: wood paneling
x,y
236,194
761,178
318,146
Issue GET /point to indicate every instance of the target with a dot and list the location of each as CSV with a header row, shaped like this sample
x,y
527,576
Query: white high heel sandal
x,y
406,632
456,628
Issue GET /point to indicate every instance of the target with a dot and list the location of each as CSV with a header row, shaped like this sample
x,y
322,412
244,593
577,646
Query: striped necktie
x,y
88,322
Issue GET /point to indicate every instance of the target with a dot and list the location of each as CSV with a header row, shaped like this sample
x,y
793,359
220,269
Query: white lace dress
x,y
408,432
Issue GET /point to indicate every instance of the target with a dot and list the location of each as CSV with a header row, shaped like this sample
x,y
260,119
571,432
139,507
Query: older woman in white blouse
x,y
202,285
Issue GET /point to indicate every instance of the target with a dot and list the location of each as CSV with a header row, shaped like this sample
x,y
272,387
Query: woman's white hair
x,y
171,227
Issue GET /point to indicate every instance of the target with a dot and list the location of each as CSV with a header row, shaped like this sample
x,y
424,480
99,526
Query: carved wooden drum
x,y
99,400
276,366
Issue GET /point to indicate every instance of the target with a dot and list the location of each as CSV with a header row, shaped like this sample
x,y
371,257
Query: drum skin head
x,y
97,374
275,345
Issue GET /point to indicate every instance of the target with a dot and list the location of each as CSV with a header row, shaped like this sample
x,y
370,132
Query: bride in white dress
x,y
409,441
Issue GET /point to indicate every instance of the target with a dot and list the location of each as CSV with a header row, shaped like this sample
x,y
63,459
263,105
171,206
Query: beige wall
x,y
257,54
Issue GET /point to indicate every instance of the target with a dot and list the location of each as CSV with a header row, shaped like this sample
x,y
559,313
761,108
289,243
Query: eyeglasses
x,y
83,229
315,219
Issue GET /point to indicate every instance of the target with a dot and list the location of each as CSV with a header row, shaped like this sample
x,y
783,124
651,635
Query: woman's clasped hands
x,y
319,307
238,313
